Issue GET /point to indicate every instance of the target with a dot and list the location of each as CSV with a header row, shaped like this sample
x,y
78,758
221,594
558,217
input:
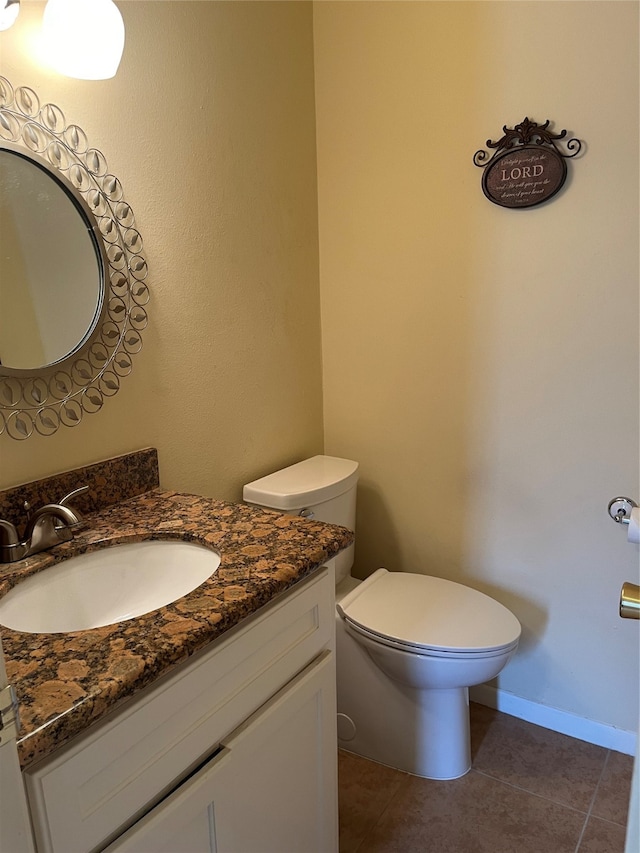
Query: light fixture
x,y
8,13
83,38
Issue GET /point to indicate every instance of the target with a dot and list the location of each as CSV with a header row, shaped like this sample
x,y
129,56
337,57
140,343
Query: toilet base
x,y
443,748
423,732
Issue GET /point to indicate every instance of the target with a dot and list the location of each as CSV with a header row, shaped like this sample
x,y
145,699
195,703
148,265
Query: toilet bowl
x,y
408,645
428,640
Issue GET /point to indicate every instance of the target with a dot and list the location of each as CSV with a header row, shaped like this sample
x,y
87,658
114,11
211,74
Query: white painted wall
x,y
482,363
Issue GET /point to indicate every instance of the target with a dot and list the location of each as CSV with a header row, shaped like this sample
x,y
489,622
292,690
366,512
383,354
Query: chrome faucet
x,y
48,526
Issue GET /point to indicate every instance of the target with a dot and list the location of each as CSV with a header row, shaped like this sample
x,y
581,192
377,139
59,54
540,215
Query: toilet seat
x,y
429,616
425,651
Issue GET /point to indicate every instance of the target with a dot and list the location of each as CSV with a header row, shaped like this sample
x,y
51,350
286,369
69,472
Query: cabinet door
x,y
271,789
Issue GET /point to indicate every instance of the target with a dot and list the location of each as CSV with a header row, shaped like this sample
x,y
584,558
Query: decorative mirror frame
x,y
43,399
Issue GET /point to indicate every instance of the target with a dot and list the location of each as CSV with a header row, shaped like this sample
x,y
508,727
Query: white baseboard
x,y
601,734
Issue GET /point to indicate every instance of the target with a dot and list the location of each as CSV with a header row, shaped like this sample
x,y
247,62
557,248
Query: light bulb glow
x,y
83,38
8,13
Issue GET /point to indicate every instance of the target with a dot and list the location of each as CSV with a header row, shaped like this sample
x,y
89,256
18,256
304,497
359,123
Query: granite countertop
x,y
66,682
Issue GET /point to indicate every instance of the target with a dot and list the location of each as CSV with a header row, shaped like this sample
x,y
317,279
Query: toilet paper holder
x,y
620,509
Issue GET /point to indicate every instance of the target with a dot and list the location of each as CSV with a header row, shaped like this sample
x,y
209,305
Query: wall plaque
x,y
527,166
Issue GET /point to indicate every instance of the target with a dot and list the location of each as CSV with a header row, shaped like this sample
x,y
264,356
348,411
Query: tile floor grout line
x,y
593,800
582,832
532,793
375,823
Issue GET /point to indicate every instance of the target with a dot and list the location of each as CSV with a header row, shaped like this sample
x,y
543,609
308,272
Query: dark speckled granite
x,y
65,682
109,482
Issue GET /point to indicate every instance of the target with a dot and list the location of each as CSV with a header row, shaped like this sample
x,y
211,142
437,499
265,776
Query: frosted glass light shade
x,y
8,13
83,38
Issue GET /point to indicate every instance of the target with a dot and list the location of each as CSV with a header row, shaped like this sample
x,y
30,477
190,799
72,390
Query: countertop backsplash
x,y
109,482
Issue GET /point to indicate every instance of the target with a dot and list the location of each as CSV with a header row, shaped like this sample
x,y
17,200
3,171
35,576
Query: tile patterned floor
x,y
530,790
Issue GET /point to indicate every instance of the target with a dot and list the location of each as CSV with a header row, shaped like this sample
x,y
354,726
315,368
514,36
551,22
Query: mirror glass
x,y
51,280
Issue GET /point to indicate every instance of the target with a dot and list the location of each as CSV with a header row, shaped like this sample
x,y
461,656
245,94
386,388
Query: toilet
x,y
408,646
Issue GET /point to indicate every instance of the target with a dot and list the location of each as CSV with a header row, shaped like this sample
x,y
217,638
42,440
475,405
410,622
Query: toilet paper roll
x,y
633,533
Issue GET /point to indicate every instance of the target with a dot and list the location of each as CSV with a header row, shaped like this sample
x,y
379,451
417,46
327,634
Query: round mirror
x,y
72,271
51,278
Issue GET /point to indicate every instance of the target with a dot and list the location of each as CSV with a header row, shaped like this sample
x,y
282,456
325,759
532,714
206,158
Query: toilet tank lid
x,y
309,482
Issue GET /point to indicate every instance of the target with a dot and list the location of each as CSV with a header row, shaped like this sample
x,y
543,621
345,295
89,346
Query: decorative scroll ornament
x,y
527,167
62,393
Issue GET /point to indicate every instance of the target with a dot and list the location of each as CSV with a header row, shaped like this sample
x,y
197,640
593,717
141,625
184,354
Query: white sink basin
x,y
113,584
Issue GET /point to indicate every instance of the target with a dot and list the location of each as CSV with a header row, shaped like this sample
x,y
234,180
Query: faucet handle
x,y
11,549
65,500
8,533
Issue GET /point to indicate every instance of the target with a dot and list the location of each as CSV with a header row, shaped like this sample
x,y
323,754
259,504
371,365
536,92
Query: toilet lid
x,y
429,613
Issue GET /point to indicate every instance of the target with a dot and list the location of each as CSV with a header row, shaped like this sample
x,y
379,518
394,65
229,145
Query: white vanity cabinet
x,y
234,751
267,789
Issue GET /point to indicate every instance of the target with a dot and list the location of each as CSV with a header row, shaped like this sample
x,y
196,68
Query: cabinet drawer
x,y
90,790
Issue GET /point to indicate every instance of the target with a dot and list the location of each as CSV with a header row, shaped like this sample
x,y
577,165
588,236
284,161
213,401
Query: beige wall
x,y
209,124
482,363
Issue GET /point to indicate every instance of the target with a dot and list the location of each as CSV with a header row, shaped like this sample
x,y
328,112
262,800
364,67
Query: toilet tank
x,y
323,487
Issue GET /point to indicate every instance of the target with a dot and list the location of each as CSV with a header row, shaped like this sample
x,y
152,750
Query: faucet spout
x,y
69,517
48,526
